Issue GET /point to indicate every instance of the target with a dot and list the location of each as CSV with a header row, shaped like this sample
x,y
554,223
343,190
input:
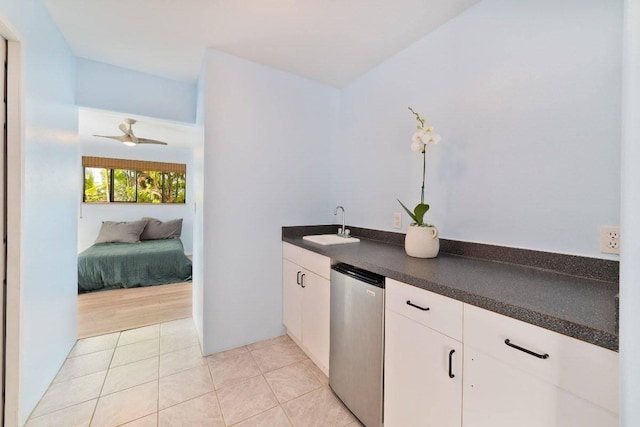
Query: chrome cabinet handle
x,y
298,278
302,280
417,306
451,364
517,347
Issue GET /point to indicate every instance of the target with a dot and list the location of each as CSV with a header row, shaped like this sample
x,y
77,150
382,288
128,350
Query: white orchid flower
x,y
417,137
432,138
417,146
427,130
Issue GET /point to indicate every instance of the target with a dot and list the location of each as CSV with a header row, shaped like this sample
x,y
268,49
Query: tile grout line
x,y
320,380
271,388
208,365
103,382
108,369
175,373
64,407
279,404
261,374
283,366
213,384
284,411
137,361
83,375
148,382
30,417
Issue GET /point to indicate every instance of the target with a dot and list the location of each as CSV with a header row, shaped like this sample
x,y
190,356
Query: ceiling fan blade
x,y
120,138
129,138
150,141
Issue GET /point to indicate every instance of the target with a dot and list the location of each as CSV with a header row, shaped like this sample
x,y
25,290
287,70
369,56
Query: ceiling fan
x,y
129,137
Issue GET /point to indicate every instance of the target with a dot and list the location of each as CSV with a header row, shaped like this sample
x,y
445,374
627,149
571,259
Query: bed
x,y
128,265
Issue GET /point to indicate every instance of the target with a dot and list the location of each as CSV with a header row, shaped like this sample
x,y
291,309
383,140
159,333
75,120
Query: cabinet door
x,y
315,316
292,298
418,388
499,395
588,371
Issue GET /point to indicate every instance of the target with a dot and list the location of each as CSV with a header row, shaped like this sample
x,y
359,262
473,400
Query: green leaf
x,y
411,214
419,211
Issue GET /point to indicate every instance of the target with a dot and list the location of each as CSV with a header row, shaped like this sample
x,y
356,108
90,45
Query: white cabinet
x,y
306,299
423,366
507,372
519,374
449,364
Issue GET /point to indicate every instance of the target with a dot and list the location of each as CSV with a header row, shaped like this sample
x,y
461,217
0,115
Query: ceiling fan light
x,y
129,143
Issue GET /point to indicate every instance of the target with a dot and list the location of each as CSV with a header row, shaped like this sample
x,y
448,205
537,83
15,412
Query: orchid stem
x,y
424,170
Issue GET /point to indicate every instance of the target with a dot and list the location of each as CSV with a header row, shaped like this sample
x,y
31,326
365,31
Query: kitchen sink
x,y
330,239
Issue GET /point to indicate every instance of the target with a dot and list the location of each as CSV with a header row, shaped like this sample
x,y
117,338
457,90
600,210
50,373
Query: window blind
x,y
138,165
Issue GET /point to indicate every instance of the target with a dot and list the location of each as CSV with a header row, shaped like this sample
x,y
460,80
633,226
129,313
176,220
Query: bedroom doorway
x,y
135,224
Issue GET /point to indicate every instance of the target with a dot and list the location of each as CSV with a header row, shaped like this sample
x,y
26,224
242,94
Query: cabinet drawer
x,y
584,369
319,264
443,314
292,252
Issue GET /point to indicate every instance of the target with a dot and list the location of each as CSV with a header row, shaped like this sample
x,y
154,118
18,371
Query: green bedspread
x,y
128,265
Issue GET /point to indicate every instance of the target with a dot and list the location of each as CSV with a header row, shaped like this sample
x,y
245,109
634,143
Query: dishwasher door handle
x,y
417,306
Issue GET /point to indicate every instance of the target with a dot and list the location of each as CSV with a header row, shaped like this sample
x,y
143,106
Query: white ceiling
x,y
332,41
99,122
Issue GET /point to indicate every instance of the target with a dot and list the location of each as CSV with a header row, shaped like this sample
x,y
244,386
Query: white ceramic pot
x,y
422,242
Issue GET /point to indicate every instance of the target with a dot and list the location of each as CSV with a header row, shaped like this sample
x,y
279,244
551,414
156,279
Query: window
x,y
133,181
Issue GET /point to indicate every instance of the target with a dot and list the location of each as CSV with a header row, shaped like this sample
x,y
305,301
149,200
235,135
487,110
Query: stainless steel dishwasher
x,y
357,341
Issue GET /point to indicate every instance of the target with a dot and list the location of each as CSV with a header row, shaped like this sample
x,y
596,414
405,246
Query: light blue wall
x,y
108,87
51,188
630,226
267,161
198,220
526,96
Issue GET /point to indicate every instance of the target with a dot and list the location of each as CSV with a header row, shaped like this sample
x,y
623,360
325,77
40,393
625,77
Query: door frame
x,y
15,182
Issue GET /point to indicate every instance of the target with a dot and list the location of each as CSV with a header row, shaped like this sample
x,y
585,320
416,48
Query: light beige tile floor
x,y
155,376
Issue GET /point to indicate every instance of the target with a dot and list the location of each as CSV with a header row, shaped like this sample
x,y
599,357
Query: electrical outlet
x,y
397,220
609,239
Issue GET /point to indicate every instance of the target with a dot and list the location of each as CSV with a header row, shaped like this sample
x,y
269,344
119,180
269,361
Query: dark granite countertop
x,y
580,307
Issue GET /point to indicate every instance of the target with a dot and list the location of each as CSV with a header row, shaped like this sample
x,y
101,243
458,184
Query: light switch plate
x,y
397,220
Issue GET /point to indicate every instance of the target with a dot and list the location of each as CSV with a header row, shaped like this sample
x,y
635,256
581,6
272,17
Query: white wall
x,y
108,87
198,221
630,226
50,190
526,95
91,215
266,159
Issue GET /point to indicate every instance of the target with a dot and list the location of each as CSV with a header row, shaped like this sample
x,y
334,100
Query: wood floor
x,y
121,309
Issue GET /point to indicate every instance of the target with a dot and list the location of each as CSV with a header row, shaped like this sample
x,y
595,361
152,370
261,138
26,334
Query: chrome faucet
x,y
342,232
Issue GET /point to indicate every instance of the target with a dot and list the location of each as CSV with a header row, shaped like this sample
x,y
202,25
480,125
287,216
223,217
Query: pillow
x,y
120,232
157,230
